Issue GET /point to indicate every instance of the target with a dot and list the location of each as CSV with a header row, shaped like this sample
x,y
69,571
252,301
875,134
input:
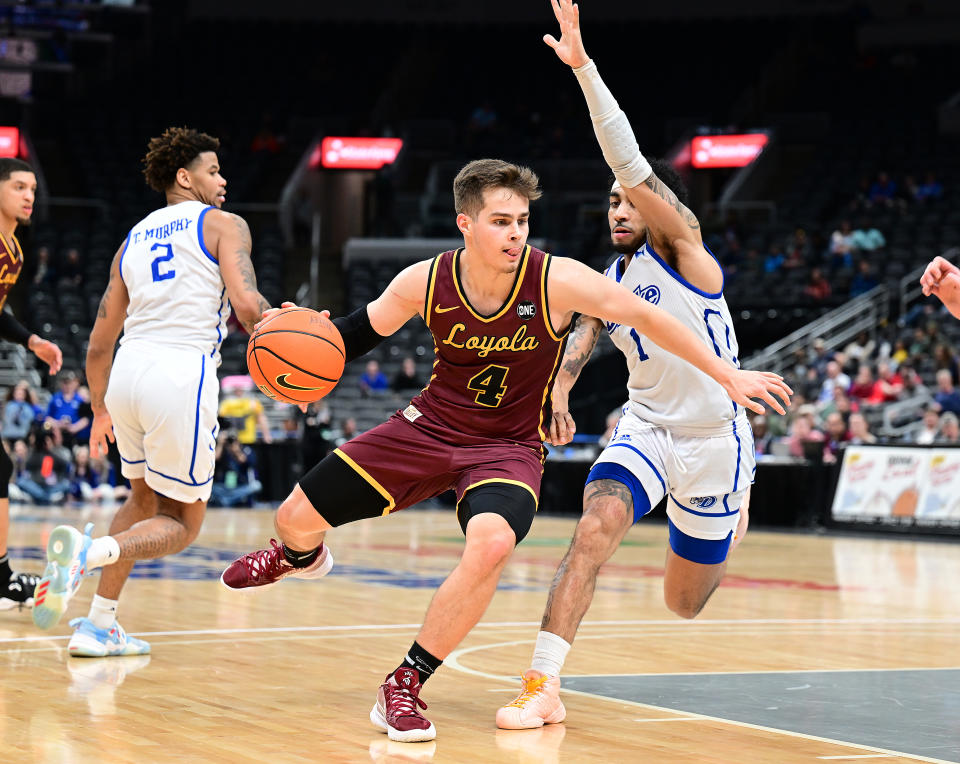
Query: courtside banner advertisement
x,y
899,487
356,153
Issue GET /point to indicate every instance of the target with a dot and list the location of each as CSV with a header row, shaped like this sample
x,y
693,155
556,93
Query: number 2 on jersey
x,y
489,386
155,265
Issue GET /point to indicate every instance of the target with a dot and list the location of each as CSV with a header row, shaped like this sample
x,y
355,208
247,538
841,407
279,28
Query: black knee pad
x,y
513,503
6,472
340,494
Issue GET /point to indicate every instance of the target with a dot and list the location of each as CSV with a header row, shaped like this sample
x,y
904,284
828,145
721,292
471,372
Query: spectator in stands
x,y
818,287
235,480
774,259
949,429
861,199
841,246
947,395
242,411
71,271
803,433
931,427
883,192
890,382
865,387
860,349
900,352
864,280
867,238
44,274
837,437
46,475
820,356
860,430
944,358
835,379
315,441
762,437
931,188
85,477
407,378
19,455
348,431
373,381
63,412
912,383
265,140
841,403
18,413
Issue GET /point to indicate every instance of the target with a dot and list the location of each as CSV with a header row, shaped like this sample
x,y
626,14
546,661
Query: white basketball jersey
x,y
177,296
664,389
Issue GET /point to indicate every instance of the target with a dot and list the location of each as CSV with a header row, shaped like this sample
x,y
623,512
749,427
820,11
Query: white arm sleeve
x,y
616,138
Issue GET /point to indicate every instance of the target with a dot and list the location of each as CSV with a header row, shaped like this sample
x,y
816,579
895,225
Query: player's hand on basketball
x,y
48,352
570,45
273,311
745,385
100,432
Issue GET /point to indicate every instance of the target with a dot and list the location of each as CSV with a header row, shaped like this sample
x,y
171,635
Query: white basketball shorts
x,y
705,477
164,410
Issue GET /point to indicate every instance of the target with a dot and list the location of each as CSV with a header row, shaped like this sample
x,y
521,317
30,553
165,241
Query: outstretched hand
x,y
49,353
570,45
745,385
942,279
101,430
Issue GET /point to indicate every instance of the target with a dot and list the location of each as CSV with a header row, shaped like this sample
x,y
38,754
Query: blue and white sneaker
x,y
67,555
90,642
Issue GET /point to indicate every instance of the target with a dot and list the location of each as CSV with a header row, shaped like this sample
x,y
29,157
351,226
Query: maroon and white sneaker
x,y
267,566
396,711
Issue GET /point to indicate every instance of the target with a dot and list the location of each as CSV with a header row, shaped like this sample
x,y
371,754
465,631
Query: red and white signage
x,y
9,141
356,153
727,150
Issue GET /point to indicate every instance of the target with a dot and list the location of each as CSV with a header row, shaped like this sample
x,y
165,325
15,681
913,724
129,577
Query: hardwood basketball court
x,y
815,648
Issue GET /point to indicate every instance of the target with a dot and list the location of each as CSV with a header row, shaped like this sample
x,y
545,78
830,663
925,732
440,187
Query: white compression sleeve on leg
x,y
549,653
616,138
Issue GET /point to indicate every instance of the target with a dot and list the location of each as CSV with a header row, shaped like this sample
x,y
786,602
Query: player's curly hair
x,y
669,176
177,147
483,174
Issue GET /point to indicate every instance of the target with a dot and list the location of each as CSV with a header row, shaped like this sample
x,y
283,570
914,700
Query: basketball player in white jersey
x,y
169,287
680,435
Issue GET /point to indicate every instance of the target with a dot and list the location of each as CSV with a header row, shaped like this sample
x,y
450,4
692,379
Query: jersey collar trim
x,y
650,251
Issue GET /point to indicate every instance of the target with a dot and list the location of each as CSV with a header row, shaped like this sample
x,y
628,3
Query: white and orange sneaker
x,y
537,704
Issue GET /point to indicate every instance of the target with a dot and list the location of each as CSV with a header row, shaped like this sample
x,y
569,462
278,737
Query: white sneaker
x,y
67,555
90,642
537,704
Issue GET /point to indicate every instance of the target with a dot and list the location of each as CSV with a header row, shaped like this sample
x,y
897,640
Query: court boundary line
x,y
453,661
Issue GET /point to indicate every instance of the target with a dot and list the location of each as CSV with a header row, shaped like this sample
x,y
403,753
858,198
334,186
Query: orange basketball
x,y
296,356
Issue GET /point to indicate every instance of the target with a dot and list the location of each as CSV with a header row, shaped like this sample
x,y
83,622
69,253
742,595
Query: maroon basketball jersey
x,y
493,374
11,263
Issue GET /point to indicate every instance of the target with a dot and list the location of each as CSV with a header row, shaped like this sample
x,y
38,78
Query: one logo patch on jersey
x,y
526,310
704,502
649,293
281,381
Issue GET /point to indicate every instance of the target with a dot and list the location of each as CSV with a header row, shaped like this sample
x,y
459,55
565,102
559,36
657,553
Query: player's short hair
x,y
483,174
10,165
668,176
177,147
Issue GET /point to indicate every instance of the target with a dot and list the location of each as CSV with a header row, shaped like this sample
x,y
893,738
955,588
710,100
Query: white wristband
x,y
614,134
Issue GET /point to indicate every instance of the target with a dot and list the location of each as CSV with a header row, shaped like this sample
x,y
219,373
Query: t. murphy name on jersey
x,y
486,344
162,231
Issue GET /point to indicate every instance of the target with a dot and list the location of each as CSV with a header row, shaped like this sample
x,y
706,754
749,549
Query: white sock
x,y
549,654
103,551
103,612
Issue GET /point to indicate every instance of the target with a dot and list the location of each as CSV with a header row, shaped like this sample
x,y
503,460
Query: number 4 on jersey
x,y
489,386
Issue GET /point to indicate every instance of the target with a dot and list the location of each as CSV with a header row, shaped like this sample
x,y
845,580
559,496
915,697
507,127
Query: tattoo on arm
x,y
582,341
657,186
102,311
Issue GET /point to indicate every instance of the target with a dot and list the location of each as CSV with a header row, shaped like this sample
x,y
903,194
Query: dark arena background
x,y
820,142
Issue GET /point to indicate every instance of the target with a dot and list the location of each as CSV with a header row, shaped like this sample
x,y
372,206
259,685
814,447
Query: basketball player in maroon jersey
x,y
18,188
499,311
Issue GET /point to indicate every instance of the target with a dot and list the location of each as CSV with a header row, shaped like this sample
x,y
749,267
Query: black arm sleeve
x,y
12,330
359,337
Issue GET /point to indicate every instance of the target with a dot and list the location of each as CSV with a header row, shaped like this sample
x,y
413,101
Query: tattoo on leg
x,y
164,535
599,489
